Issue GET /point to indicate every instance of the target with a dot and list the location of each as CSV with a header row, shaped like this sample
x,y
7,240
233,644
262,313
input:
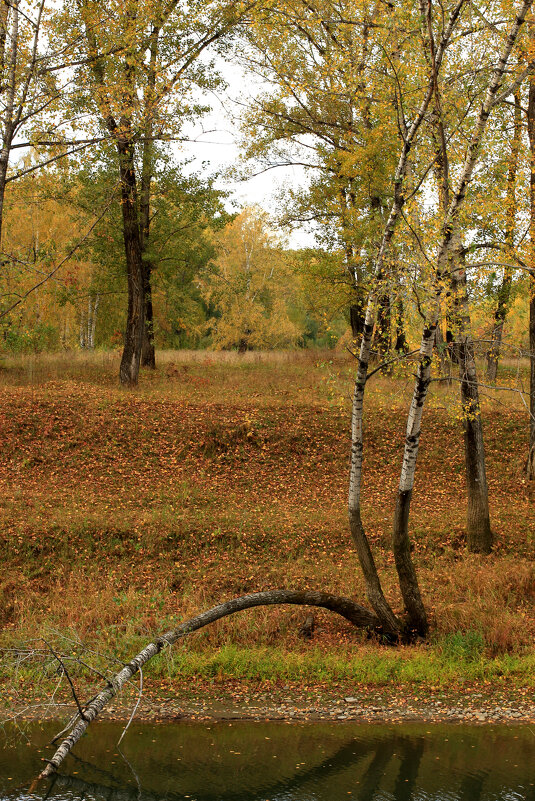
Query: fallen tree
x,y
351,611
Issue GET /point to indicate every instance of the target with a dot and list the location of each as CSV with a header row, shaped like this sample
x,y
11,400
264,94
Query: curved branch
x,y
351,611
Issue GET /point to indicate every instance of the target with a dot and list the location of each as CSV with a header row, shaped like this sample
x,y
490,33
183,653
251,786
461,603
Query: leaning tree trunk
x,y
374,590
129,370
351,611
479,533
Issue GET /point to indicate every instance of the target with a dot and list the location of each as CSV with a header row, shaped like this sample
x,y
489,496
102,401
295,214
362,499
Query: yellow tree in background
x,y
251,287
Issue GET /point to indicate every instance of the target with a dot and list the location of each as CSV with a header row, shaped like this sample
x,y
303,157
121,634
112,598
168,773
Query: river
x,y
246,761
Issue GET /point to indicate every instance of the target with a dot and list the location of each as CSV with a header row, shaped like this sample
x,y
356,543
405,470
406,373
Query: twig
x,y
135,707
66,672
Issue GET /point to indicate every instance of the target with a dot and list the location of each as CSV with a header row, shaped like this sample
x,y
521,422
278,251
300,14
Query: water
x,y
244,761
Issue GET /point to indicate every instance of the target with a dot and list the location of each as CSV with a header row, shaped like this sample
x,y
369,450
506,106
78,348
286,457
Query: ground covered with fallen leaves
x,y
123,512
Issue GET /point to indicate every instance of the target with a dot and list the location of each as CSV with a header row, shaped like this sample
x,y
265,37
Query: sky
x,y
214,145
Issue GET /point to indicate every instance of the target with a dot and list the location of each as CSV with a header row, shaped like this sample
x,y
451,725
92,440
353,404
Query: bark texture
x,y
351,611
530,462
479,533
373,585
504,290
133,338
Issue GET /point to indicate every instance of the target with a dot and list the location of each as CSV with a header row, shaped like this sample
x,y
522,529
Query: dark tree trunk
x,y
443,352
356,319
402,345
530,465
383,333
531,453
504,292
493,355
479,533
148,354
129,369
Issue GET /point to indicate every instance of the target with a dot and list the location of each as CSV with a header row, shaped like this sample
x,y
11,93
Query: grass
x,y
123,512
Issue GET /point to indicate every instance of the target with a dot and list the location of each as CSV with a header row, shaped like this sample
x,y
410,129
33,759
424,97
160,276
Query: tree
x,y
250,287
145,70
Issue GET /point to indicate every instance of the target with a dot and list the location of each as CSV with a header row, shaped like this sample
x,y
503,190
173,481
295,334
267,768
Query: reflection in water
x,y
280,762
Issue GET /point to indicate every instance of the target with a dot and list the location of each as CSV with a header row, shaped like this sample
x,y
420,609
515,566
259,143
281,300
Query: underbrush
x,y
122,514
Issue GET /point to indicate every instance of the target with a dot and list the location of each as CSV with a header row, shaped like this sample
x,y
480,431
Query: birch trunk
x,y
374,590
355,614
92,325
408,584
373,585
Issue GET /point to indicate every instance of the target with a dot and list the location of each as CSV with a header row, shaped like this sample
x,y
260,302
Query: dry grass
x,y
122,512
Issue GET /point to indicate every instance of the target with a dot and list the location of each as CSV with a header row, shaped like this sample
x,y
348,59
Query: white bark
x,y
356,614
426,347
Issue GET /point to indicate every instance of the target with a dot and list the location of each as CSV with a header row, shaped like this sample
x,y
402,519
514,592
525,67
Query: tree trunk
x,y
408,580
129,369
356,320
92,320
148,353
9,62
504,292
401,345
351,611
530,464
479,533
383,332
531,452
374,591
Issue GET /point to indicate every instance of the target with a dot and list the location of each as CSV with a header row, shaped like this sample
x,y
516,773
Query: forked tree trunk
x,y
410,591
351,611
129,369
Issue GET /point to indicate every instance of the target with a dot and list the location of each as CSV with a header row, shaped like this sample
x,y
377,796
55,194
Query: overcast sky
x,y
216,143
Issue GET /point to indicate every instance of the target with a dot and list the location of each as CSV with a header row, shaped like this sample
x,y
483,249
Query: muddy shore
x,y
235,701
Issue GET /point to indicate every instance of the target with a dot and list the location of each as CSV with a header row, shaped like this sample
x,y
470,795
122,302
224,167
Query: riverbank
x,y
224,700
